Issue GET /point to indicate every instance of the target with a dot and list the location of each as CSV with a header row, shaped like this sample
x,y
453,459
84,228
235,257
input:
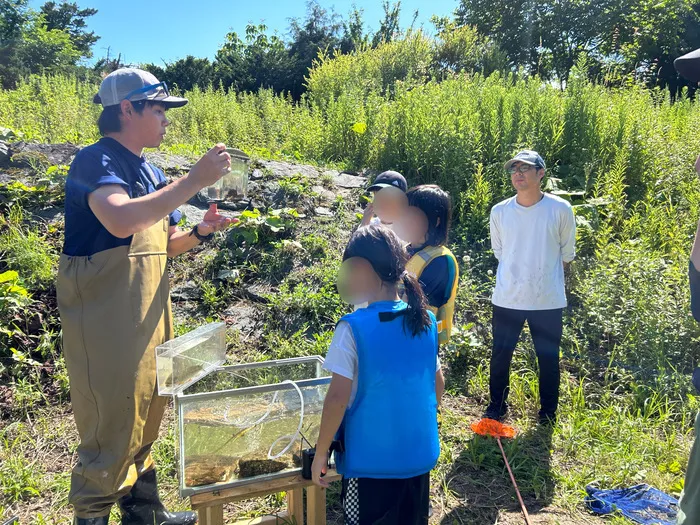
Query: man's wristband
x,y
200,237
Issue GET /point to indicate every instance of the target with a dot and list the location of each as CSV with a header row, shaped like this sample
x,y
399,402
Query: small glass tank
x,y
234,185
241,423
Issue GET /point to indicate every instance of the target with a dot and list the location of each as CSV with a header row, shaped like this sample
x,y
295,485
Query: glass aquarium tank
x,y
241,423
234,185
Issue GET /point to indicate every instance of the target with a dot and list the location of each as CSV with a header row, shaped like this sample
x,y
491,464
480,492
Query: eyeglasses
x,y
523,168
158,89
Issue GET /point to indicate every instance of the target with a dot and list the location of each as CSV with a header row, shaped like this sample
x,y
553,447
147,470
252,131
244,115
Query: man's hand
x,y
319,468
213,222
367,217
211,167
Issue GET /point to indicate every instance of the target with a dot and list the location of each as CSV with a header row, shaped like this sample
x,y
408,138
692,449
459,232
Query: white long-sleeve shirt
x,y
531,245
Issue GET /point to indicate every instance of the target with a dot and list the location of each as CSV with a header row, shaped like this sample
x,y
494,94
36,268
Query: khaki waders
x,y
115,309
689,506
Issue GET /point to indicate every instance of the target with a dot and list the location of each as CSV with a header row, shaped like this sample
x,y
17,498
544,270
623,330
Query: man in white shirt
x,y
533,236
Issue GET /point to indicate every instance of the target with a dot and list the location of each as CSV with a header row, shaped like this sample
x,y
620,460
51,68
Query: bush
x,y
28,253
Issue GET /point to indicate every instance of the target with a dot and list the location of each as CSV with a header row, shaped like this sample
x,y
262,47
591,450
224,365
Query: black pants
x,y
369,501
546,328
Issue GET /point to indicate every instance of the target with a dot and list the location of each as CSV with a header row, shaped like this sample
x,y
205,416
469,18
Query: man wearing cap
x,y
113,296
689,504
533,236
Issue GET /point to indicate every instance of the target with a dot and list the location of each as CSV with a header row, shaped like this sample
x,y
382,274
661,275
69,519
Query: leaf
x,y
359,127
9,276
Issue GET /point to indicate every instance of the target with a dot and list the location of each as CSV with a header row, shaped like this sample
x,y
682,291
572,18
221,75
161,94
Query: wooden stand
x,y
210,505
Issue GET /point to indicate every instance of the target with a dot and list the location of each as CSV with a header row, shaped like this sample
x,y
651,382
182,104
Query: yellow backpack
x,y
444,313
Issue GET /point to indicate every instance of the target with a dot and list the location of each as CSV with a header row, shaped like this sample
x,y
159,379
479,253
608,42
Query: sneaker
x,y
493,412
546,419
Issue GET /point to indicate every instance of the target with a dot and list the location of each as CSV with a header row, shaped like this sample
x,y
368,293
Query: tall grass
x,y
629,151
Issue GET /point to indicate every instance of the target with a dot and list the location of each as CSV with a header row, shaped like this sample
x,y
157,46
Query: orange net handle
x,y
493,428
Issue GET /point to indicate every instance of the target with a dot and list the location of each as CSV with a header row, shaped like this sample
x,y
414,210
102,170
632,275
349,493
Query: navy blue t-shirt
x,y
435,279
105,162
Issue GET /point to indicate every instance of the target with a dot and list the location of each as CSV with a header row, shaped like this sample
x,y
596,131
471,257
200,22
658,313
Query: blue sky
x,y
153,31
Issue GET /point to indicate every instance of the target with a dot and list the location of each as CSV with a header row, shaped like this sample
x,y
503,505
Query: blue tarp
x,y
641,503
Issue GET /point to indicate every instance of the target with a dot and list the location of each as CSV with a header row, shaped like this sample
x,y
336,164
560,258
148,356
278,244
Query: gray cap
x,y
689,65
526,157
132,84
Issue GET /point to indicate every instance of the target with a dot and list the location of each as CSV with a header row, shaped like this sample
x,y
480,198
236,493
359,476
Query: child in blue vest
x,y
386,386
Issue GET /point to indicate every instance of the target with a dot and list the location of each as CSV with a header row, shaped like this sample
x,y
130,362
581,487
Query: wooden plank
x,y
278,519
315,505
254,490
295,505
211,515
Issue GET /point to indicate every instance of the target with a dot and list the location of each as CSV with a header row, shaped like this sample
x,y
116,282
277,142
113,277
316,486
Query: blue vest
x,y
391,429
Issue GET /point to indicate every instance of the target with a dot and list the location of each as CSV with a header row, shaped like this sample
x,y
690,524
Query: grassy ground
x,y
470,484
272,280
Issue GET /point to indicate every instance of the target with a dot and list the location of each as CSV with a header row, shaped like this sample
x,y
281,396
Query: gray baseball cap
x,y
689,65
526,157
135,85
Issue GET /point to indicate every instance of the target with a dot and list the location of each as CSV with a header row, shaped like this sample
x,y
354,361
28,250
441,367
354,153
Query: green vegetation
x,y
622,153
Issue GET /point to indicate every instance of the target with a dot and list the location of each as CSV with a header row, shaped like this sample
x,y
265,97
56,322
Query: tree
x,y
185,73
354,35
28,44
633,37
319,31
261,60
13,18
389,27
70,18
464,49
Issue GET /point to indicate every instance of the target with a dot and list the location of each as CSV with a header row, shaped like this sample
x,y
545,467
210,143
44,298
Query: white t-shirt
x,y
342,356
531,245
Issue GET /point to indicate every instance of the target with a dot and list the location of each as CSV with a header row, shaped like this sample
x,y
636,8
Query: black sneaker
x,y
493,412
546,419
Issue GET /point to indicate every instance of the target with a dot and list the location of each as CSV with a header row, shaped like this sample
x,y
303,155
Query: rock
x,y
231,275
50,214
286,170
187,291
4,153
257,175
171,164
323,212
243,316
195,212
55,154
345,180
325,194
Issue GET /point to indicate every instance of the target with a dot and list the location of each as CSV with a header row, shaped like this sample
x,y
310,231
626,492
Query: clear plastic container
x,y
242,423
233,185
182,361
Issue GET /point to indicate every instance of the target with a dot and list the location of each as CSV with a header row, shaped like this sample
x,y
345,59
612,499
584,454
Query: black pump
x,y
142,506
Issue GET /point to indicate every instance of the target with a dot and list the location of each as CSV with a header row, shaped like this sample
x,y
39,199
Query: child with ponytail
x,y
424,226
386,386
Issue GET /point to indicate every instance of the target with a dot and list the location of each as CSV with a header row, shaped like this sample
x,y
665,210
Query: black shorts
x,y
368,501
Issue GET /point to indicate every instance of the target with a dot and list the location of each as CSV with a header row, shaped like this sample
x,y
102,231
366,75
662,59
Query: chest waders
x,y
115,309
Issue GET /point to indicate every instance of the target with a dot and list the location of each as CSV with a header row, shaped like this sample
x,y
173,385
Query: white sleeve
x,y
341,358
567,235
495,234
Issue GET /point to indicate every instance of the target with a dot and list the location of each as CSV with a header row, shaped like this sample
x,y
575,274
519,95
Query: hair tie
x,y
404,275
